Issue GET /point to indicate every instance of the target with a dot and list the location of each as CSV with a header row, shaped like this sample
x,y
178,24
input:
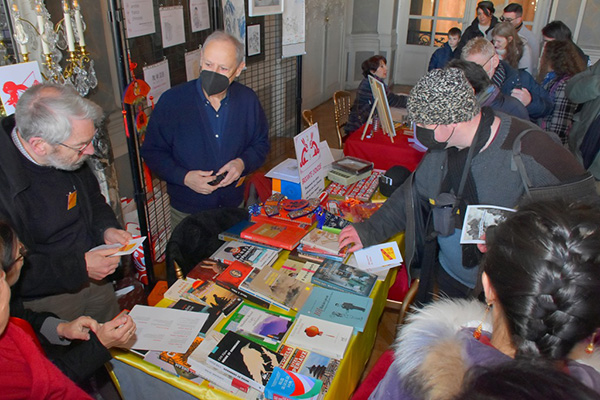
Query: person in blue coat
x,y
444,54
208,127
516,83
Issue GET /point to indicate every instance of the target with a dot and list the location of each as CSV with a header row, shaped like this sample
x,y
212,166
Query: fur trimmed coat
x,y
434,350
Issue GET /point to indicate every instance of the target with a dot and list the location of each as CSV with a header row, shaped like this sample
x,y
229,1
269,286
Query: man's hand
x,y
99,264
349,237
234,169
117,332
77,329
198,181
522,95
113,236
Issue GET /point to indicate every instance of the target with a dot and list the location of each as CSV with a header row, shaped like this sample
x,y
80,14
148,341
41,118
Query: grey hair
x,y
46,110
224,36
478,45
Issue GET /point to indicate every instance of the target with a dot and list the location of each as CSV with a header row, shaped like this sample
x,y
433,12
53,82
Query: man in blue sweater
x,y
516,83
208,127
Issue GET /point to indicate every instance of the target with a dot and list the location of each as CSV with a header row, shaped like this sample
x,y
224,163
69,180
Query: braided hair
x,y
544,264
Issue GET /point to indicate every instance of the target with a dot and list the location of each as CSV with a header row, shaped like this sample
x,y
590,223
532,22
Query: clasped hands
x,y
198,180
115,333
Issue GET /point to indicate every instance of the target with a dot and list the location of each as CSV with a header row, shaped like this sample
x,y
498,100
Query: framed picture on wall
x,y
254,39
264,7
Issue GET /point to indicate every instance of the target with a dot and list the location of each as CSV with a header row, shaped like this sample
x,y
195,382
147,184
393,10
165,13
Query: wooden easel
x,y
370,120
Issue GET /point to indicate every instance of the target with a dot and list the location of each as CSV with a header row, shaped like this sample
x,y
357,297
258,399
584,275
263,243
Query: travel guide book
x,y
255,256
281,287
246,360
335,306
274,234
335,275
265,327
323,337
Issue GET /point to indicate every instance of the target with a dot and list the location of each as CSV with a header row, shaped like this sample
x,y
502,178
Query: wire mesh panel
x,y
275,80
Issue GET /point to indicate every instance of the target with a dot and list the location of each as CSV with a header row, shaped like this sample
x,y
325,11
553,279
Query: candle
x,y
40,21
79,23
20,33
69,27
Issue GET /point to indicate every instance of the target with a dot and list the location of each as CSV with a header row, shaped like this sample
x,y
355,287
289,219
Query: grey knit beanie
x,y
442,97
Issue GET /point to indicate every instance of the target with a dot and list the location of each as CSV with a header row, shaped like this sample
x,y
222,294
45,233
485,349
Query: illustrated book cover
x,y
292,385
233,275
379,257
274,234
248,361
265,327
335,306
338,276
281,287
255,256
323,337
309,363
326,242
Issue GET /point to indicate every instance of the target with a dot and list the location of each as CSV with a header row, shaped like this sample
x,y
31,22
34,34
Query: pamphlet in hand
x,y
123,249
478,219
378,258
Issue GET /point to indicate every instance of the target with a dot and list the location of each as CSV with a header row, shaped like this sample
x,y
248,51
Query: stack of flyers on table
x,y
379,258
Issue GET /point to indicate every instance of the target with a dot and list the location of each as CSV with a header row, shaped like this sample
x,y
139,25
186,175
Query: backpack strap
x,y
517,161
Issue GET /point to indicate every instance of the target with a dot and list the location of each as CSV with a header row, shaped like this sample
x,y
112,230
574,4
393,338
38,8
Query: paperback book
x,y
292,385
255,296
274,234
255,256
206,270
234,234
310,364
246,360
265,327
233,275
323,337
303,271
335,306
282,288
334,223
335,275
322,241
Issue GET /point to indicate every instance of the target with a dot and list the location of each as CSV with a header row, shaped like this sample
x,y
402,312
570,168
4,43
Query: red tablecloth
x,y
381,151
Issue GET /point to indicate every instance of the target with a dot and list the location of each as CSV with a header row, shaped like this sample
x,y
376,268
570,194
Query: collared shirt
x,y
19,145
216,118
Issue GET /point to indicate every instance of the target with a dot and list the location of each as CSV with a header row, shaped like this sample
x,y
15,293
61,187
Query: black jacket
x,y
47,274
471,32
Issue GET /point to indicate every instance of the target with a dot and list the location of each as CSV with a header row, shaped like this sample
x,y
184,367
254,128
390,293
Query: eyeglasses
x,y
505,19
81,148
22,254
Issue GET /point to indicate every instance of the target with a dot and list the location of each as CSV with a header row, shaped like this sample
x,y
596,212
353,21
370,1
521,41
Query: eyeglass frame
x,y
81,149
505,19
21,256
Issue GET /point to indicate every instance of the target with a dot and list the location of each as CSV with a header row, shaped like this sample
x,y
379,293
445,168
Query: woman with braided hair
x,y
541,280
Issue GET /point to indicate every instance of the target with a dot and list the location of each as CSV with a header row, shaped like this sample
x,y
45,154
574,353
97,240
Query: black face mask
x,y
213,83
427,139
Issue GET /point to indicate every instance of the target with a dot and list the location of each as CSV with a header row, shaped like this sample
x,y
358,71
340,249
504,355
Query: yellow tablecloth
x,y
348,373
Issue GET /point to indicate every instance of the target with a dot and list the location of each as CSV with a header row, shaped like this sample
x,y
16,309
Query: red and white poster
x,y
308,155
14,80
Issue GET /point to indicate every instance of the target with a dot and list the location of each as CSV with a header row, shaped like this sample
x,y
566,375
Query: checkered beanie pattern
x,y
442,97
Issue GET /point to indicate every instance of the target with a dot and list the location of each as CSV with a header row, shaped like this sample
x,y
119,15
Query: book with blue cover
x,y
292,385
335,306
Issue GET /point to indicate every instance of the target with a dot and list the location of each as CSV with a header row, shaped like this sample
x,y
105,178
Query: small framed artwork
x,y
255,37
264,7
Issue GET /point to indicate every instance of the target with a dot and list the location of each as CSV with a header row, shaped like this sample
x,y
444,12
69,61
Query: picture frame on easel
x,y
382,106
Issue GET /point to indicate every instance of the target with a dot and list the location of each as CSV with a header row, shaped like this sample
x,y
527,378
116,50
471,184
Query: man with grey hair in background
x,y
205,134
468,162
52,199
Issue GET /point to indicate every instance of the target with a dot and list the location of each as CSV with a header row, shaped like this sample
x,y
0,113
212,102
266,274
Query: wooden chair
x,y
404,305
341,103
307,117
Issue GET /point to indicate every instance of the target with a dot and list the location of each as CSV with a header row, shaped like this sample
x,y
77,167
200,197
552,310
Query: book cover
x,y
255,256
323,337
249,361
286,237
324,241
344,308
338,276
292,385
206,270
265,327
309,363
281,287
245,287
379,257
307,251
303,223
180,360
334,223
302,257
218,302
233,275
233,233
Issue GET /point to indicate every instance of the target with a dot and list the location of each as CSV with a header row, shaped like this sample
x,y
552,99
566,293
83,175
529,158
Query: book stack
x,y
322,244
275,234
349,170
